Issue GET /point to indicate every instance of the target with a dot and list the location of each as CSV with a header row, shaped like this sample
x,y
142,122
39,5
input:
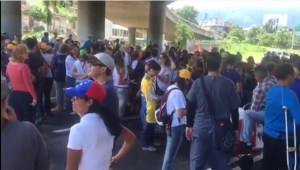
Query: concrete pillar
x,y
157,17
131,35
148,36
91,20
11,18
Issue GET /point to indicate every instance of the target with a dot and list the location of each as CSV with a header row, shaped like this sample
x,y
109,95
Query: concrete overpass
x,y
153,16
133,21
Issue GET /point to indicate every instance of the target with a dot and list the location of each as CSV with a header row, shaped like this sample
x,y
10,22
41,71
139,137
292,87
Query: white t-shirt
x,y
116,78
69,65
127,59
176,100
92,137
163,72
81,68
48,58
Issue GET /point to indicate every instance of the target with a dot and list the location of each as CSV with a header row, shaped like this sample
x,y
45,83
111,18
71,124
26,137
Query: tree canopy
x,y
183,33
267,35
189,13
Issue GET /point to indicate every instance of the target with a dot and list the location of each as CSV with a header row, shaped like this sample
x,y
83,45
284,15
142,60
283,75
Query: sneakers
x,y
149,148
156,144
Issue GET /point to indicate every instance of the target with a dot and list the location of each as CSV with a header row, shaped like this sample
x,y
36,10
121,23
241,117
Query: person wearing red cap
x,y
91,140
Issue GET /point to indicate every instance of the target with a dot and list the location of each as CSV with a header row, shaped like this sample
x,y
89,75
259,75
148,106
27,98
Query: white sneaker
x,y
149,148
156,144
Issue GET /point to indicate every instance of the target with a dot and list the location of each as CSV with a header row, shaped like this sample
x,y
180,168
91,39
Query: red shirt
x,y
20,78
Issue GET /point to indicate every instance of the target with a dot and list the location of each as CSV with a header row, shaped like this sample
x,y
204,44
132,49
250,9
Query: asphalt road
x,y
56,132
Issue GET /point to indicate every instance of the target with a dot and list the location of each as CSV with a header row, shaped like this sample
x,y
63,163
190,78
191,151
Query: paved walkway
x,y
56,132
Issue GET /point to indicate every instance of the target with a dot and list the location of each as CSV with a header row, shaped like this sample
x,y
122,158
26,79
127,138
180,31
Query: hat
x,y
126,45
46,47
43,46
105,59
88,88
184,73
10,46
83,52
4,87
60,37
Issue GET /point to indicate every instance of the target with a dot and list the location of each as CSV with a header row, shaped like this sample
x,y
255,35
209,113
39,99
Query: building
x,y
65,27
281,20
215,25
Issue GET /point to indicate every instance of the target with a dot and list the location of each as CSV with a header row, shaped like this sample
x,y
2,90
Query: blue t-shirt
x,y
59,67
274,120
296,87
232,75
111,99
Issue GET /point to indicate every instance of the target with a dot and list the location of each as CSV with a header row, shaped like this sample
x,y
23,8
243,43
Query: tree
x,y
252,36
271,25
283,39
266,39
238,32
183,33
38,14
189,13
44,11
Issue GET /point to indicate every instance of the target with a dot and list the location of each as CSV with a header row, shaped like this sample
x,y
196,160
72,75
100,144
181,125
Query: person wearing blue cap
x,y
91,140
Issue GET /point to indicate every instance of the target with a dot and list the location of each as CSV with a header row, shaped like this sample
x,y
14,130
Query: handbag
x,y
223,131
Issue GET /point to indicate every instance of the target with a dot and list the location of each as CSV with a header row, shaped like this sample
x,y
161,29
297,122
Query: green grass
x,y
253,50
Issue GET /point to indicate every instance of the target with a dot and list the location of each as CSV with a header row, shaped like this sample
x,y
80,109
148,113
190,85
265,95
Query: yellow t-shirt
x,y
146,86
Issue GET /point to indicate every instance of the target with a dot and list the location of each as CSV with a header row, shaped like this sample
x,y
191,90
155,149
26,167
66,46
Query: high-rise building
x,y
280,20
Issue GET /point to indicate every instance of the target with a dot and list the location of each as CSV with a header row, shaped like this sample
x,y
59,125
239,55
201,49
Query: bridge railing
x,y
196,28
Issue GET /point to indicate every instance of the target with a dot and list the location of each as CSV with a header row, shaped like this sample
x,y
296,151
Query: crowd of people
x,y
102,81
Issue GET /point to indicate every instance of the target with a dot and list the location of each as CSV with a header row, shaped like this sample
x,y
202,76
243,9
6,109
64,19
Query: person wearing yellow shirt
x,y
148,91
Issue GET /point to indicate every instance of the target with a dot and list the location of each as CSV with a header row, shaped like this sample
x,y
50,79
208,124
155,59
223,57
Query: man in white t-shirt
x,y
176,104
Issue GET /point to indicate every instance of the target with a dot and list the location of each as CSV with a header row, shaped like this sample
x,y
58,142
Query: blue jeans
x,y
248,124
148,134
173,145
70,82
143,110
122,94
60,94
39,88
203,148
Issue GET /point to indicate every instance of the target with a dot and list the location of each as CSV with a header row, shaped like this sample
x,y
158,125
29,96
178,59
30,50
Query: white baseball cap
x,y
105,59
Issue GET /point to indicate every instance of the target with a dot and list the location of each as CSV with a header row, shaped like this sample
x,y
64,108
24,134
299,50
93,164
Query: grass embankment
x,y
253,50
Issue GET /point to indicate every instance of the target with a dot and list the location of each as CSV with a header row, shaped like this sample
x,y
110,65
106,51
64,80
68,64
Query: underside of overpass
x,y
153,16
129,14
138,17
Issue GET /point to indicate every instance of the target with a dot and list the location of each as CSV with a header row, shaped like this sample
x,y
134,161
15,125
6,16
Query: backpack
x,y
161,116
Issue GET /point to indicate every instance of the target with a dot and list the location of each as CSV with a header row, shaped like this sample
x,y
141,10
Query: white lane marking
x,y
61,130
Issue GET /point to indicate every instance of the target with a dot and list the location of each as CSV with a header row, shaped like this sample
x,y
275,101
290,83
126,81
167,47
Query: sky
x,y
225,4
243,12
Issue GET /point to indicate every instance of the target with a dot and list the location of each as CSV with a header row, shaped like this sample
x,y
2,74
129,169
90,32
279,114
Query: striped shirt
x,y
259,93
